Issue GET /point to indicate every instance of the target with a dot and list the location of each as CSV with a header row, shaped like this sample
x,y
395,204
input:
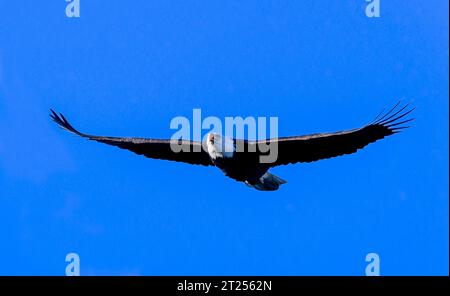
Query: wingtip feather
x,y
62,122
391,119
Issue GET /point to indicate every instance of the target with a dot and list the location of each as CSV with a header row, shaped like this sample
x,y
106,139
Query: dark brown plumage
x,y
326,145
246,166
151,148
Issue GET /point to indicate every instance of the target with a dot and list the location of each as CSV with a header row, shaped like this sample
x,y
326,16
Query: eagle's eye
x,y
211,138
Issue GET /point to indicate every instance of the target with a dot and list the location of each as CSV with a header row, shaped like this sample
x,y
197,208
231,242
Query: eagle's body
x,y
245,165
241,166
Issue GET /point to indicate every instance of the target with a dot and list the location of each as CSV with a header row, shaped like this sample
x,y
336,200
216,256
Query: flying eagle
x,y
245,165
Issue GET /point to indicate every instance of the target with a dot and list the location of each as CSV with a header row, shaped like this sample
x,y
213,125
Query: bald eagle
x,y
245,165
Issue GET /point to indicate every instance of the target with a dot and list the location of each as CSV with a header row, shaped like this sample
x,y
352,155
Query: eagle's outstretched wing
x,y
152,148
320,146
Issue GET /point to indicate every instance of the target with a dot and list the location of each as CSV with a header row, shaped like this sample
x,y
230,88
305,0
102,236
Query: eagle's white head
x,y
219,146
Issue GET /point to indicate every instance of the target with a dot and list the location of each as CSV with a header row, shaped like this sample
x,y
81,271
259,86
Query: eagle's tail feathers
x,y
268,182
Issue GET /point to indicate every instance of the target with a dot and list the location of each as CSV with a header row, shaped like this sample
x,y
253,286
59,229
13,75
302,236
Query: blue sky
x,y
126,68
